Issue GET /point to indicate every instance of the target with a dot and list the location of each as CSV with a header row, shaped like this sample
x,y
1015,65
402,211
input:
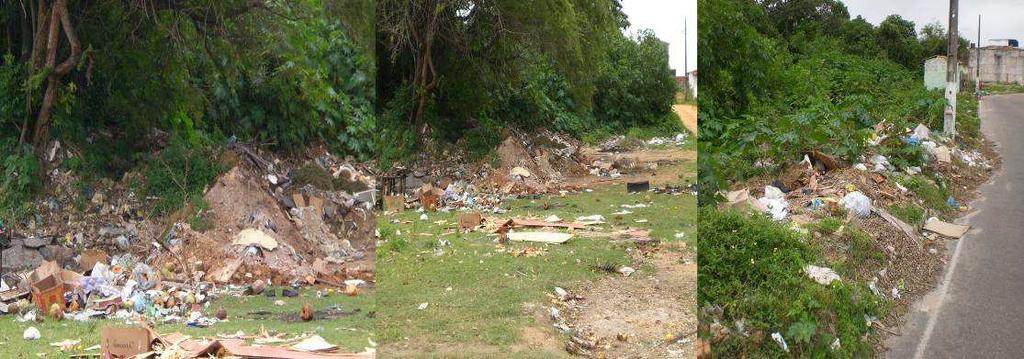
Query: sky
x,y
1000,19
666,18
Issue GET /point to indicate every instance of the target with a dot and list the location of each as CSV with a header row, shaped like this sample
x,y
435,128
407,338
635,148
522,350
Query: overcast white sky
x,y
1000,19
665,18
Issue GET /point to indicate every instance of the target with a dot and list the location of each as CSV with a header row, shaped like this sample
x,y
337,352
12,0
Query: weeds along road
x,y
977,310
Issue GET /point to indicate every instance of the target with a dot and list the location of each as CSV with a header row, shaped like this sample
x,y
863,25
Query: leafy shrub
x,y
752,268
178,175
20,181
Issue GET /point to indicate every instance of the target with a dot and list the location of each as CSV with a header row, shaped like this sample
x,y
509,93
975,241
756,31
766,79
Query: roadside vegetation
x,y
779,79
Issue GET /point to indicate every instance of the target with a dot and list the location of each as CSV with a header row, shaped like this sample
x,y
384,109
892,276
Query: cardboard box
x,y
125,342
48,291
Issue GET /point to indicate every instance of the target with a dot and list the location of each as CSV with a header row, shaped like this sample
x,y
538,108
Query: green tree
x,y
898,40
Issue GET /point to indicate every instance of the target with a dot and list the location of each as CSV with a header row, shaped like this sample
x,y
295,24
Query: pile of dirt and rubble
x,y
539,163
860,195
305,221
627,316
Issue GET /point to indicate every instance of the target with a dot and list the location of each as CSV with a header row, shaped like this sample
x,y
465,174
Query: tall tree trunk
x,y
51,26
34,63
424,75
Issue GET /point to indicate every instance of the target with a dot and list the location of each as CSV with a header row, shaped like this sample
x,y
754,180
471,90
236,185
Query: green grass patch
x,y
478,295
908,212
350,332
933,193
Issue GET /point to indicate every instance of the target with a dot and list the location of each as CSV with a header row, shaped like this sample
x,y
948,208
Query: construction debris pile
x,y
541,163
272,223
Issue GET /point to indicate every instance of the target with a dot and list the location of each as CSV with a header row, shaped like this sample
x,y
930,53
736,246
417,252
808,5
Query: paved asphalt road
x,y
978,309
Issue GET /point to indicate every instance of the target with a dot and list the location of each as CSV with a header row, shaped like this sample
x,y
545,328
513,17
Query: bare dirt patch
x,y
642,316
687,114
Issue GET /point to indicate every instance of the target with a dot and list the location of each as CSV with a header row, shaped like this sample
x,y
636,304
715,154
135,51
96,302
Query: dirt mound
x,y
327,237
547,158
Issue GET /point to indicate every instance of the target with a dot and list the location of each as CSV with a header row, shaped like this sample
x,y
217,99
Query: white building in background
x,y
999,64
935,73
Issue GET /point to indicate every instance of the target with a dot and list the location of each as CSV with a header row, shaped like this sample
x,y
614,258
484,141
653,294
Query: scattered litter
x,y
921,132
822,275
588,220
66,344
423,306
626,271
561,293
542,237
782,342
857,203
633,187
774,203
31,334
634,206
315,343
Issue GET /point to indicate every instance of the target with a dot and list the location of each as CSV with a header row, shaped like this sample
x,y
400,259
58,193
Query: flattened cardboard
x,y
125,342
92,256
947,229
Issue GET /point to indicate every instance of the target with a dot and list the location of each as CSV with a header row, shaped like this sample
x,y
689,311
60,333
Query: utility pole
x,y
977,61
952,75
686,51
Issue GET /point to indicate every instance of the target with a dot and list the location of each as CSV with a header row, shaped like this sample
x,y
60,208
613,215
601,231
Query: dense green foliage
x,y
286,74
772,89
758,264
560,64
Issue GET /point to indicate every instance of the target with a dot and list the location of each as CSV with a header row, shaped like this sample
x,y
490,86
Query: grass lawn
x,y
349,332
479,298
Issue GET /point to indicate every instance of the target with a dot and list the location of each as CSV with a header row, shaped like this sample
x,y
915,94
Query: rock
x,y
19,258
58,254
257,287
822,275
36,242
290,293
322,267
520,172
221,313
